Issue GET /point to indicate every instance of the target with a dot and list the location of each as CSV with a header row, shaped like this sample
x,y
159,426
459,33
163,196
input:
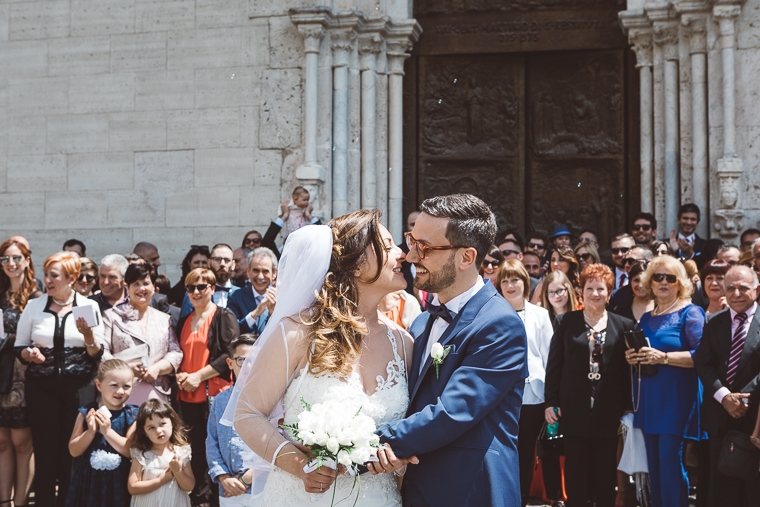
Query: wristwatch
x,y
666,359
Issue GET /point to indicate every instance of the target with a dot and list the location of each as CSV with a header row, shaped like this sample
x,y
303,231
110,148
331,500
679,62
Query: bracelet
x,y
91,344
243,481
666,358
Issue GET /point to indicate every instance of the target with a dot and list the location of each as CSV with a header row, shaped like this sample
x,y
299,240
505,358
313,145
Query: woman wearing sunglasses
x,y
205,336
489,268
668,402
135,325
17,286
587,254
88,275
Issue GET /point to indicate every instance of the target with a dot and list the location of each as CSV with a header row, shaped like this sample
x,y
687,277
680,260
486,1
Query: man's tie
x,y
222,288
439,311
258,299
737,344
622,281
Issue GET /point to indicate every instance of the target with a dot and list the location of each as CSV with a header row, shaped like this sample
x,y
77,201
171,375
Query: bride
x,y
326,341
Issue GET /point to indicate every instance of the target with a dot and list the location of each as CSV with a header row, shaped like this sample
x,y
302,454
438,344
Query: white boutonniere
x,y
438,353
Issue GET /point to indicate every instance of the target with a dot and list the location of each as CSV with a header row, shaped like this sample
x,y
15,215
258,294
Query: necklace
x,y
591,320
64,303
656,313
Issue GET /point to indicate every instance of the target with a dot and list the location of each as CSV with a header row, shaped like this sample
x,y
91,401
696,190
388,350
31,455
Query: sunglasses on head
x,y
86,278
6,259
618,251
492,264
199,287
642,227
659,277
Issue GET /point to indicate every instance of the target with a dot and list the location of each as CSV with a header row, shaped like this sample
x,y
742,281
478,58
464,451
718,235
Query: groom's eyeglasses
x,y
422,250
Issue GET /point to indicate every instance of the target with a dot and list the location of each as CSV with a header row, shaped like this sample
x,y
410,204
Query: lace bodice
x,y
388,403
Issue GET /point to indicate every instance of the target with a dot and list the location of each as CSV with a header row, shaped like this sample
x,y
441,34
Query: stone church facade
x,y
187,121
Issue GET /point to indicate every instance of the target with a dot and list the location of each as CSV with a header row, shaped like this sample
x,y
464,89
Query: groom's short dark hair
x,y
471,222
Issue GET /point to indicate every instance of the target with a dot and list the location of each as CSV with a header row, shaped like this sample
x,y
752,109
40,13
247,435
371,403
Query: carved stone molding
x,y
729,177
729,222
641,39
666,36
696,29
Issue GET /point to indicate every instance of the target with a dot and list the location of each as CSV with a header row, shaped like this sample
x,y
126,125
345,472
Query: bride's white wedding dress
x,y
388,403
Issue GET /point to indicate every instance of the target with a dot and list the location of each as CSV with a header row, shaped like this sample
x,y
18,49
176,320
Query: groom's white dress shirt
x,y
440,325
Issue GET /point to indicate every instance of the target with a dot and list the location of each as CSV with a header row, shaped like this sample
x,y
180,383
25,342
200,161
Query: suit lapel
x,y
462,320
750,344
724,339
132,328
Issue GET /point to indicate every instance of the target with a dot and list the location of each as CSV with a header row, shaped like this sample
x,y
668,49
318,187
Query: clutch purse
x,y
547,447
635,339
738,456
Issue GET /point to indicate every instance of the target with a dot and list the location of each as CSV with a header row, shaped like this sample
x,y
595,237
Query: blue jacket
x,y
225,450
241,303
463,427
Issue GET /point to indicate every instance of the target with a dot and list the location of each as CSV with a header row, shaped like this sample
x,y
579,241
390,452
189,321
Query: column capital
x,y
370,41
311,23
665,35
726,14
399,38
641,40
342,32
695,27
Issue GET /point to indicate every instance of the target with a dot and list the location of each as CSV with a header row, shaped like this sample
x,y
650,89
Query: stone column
x,y
369,46
381,142
696,28
399,36
640,37
354,130
343,40
310,174
729,218
666,38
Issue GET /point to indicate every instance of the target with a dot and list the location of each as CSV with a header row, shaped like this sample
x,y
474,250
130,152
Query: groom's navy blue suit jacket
x,y
463,427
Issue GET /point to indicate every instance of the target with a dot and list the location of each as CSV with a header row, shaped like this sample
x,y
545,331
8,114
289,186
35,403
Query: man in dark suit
x,y
729,367
685,242
253,304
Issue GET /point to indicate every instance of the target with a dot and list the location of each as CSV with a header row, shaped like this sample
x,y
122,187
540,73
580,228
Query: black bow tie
x,y
439,311
223,288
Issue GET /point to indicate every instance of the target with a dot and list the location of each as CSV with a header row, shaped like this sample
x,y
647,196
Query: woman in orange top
x,y
205,337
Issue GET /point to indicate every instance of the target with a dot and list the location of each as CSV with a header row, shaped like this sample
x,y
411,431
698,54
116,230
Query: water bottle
x,y
552,429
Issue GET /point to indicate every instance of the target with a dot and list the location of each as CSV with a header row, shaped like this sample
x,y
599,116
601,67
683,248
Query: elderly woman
x,y
17,288
63,356
490,265
143,336
513,283
586,253
588,389
642,301
712,275
557,295
668,402
88,275
562,259
205,337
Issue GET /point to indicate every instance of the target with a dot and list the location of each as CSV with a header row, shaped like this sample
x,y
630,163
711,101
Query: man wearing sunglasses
x,y
463,412
621,247
222,264
511,249
536,244
644,229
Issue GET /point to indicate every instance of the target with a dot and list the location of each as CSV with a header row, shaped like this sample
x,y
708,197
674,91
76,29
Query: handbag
x,y
548,447
635,339
739,457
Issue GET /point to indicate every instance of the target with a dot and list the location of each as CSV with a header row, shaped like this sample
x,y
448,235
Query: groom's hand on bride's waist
x,y
388,462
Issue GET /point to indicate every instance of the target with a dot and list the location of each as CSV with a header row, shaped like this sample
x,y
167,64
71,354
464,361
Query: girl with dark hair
x,y
197,257
335,345
563,259
489,268
642,301
161,474
712,275
143,336
17,286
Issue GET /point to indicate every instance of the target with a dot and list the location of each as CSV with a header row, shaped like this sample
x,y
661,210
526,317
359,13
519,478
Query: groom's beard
x,y
437,280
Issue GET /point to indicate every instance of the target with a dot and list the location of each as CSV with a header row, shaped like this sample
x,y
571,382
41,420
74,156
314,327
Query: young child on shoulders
x,y
225,450
295,213
101,439
160,475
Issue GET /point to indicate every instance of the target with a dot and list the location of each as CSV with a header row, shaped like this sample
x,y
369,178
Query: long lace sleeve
x,y
259,405
693,325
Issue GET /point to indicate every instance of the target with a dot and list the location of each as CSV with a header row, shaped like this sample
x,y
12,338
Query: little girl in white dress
x,y
160,475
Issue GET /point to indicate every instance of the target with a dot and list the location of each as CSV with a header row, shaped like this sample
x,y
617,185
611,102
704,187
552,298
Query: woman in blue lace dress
x,y
100,442
667,404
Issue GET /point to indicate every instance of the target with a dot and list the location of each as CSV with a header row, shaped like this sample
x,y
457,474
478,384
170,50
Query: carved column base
x,y
729,222
729,177
312,177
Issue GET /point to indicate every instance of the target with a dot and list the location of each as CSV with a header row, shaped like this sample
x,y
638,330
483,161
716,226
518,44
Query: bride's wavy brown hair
x,y
337,329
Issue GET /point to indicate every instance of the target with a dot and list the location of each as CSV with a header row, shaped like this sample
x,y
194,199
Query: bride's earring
x,y
358,273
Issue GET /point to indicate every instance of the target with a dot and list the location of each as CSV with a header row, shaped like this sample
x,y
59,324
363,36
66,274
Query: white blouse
x,y
539,329
36,327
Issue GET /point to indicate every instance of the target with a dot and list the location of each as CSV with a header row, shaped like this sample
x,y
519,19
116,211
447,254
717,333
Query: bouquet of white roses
x,y
337,433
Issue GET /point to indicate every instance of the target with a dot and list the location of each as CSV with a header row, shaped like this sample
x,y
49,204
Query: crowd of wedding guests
x,y
69,333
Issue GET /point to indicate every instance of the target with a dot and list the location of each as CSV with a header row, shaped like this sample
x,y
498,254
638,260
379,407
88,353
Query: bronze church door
x,y
544,137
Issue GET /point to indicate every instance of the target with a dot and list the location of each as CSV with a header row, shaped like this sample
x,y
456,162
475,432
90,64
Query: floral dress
x,y
13,402
100,474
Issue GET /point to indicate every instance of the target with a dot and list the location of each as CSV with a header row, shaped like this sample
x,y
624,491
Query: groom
x,y
462,418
